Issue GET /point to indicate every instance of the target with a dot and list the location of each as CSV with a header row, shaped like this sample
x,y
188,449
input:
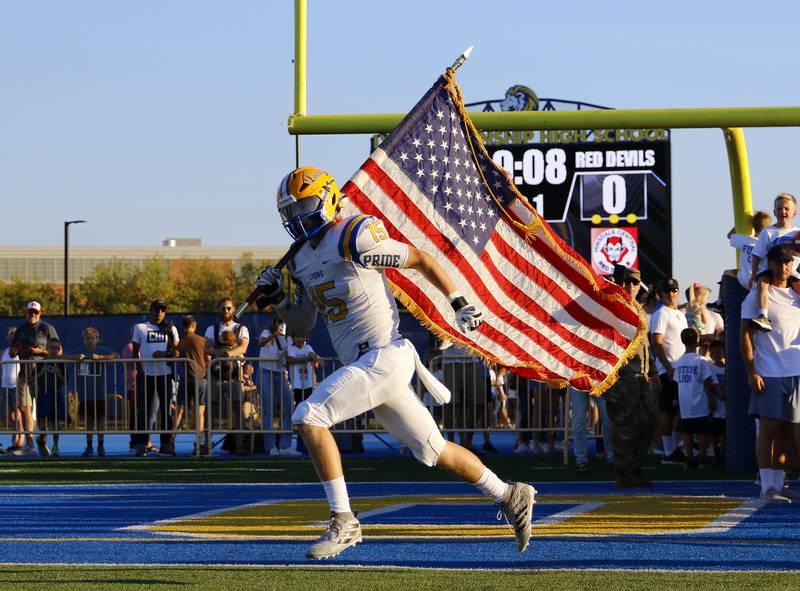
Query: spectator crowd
x,y
669,399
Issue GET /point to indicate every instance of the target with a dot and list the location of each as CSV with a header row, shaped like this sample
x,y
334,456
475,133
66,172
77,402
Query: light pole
x,y
66,263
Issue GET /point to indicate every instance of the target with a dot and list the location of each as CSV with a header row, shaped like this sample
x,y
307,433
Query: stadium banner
x,y
548,315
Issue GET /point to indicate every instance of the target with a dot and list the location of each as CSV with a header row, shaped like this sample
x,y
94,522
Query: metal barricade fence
x,y
538,414
252,396
69,396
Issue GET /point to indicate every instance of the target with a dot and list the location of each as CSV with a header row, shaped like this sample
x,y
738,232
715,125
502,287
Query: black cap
x,y
158,304
668,284
781,253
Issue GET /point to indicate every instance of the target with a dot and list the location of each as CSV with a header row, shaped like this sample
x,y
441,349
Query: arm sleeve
x,y
175,338
658,322
739,240
366,242
300,316
761,247
244,332
750,304
137,335
706,373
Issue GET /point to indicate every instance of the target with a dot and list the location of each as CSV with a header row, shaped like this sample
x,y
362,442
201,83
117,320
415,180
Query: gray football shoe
x,y
342,532
518,511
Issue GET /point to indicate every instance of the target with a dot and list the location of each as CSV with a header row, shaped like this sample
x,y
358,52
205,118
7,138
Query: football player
x,y
340,268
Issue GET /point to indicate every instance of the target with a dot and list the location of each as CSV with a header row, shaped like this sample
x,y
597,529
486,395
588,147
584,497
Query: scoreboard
x,y
610,200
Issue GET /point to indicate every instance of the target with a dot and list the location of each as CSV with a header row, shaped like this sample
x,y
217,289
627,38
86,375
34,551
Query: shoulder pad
x,y
347,239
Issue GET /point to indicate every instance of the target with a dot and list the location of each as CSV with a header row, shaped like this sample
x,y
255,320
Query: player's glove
x,y
468,317
270,282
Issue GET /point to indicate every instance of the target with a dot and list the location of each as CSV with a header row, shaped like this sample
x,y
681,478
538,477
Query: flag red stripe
x,y
618,310
535,310
418,295
570,306
419,219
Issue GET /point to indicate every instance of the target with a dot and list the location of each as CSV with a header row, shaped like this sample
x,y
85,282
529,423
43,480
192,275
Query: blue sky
x,y
155,119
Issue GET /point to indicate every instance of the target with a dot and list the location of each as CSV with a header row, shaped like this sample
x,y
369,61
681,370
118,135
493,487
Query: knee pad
x,y
307,414
427,451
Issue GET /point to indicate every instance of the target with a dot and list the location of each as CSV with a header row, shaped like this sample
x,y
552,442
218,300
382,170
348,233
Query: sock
x,y
778,480
666,441
766,479
490,485
677,440
336,491
762,311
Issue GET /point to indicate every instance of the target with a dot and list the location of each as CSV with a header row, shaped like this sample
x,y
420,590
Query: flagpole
x,y
461,58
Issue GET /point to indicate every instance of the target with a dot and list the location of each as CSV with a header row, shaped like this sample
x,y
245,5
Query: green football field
x,y
33,564
85,578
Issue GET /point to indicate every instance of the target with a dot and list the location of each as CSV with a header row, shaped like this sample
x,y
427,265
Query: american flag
x,y
547,315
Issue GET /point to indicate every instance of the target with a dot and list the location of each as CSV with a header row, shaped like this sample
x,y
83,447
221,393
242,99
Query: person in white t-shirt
x,y
745,243
155,339
781,232
719,417
275,390
225,389
772,361
301,360
666,325
8,389
695,396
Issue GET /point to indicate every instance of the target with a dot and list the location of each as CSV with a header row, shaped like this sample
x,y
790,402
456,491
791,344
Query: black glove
x,y
270,281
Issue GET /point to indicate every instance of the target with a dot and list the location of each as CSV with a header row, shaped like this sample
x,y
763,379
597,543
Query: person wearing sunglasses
x,y
666,325
225,388
631,403
30,341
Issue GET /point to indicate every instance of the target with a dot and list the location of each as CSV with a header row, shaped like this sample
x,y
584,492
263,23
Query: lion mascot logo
x,y
520,98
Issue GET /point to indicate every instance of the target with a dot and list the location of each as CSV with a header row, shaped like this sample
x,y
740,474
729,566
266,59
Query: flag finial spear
x,y
462,58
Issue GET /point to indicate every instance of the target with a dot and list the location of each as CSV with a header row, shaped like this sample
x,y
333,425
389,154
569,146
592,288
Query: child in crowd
x,y
718,416
497,375
301,361
92,386
8,391
782,231
51,400
745,243
696,299
696,399
227,372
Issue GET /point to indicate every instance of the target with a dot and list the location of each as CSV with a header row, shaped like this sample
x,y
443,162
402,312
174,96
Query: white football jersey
x,y
343,276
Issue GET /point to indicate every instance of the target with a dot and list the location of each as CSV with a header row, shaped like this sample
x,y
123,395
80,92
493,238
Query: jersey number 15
x,y
334,309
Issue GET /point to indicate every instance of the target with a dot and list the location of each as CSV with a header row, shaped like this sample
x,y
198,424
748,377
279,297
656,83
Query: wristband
x,y
457,301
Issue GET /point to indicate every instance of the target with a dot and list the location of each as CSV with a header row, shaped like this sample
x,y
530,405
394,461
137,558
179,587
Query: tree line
x,y
123,287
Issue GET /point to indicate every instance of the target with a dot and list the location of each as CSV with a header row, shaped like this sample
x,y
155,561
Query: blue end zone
x,y
84,524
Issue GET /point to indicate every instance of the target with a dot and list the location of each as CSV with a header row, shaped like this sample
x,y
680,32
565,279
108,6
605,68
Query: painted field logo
x,y
455,516
614,246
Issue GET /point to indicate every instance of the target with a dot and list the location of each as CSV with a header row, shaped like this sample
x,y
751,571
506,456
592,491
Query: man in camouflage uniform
x,y
631,405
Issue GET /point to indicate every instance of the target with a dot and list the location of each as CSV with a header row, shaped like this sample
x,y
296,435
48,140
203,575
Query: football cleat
x,y
341,533
518,511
